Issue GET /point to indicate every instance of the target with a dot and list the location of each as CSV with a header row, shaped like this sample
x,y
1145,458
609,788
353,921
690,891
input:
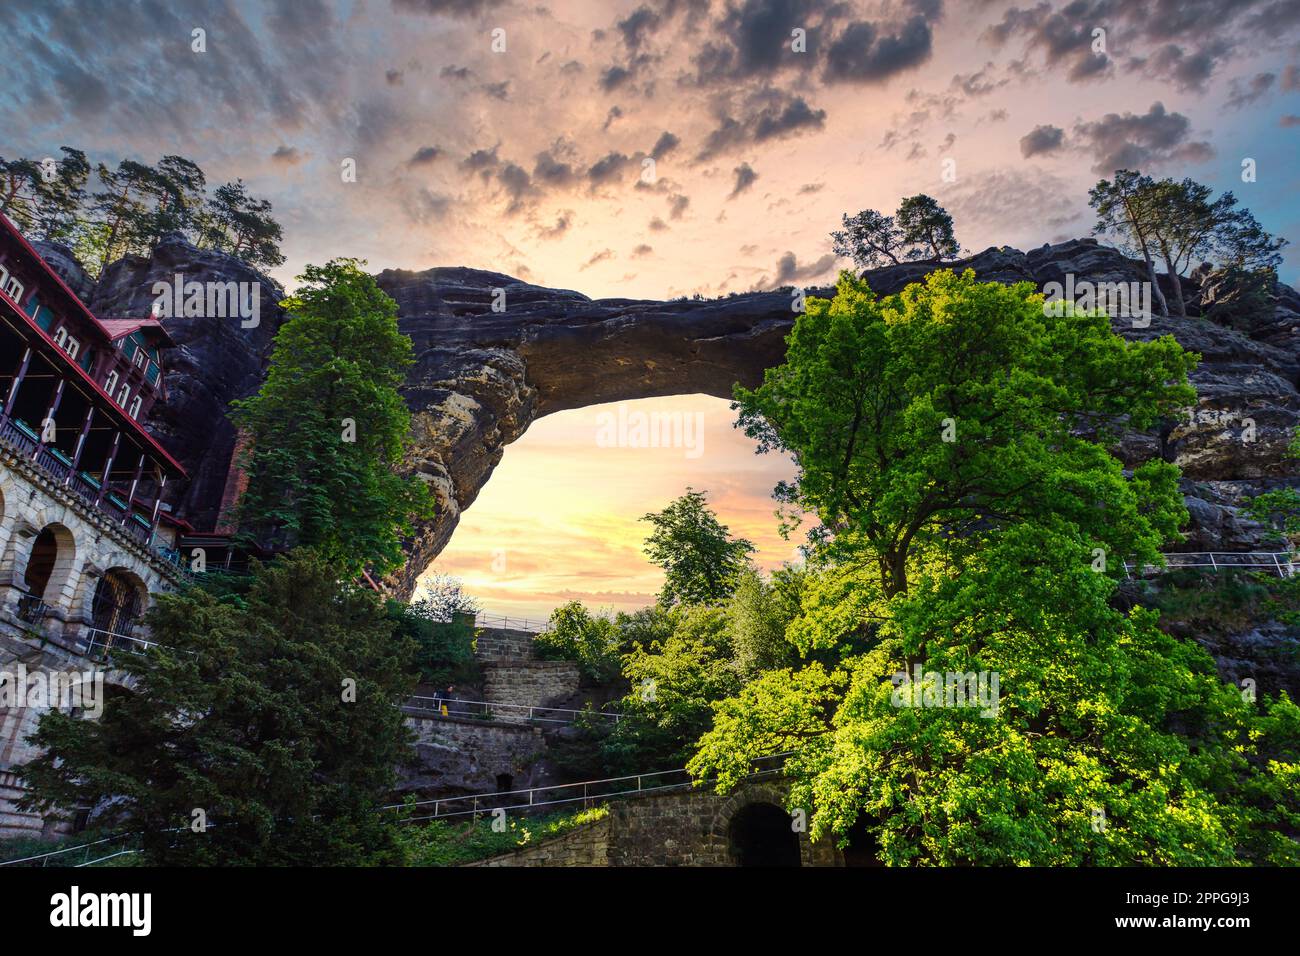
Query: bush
x,y
591,641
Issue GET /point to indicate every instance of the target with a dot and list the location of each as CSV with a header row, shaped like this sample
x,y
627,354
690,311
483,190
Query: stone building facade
x,y
86,539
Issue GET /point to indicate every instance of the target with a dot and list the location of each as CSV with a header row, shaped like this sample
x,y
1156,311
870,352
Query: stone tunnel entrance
x,y
760,834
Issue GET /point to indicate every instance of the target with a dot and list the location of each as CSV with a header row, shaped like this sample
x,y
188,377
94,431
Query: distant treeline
x,y
129,209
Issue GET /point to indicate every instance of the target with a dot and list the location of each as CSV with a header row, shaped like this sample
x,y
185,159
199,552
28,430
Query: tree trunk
x,y
1179,304
1155,288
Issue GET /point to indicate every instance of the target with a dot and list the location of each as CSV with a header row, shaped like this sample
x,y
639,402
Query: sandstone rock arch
x,y
482,377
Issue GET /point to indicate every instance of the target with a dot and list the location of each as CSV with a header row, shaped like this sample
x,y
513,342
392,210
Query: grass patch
x,y
446,843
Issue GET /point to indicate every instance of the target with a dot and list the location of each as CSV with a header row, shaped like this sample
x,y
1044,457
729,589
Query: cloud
x,y
480,160
602,256
638,25
448,8
677,204
607,169
424,156
767,114
393,77
1040,140
562,223
1290,119
789,272
666,143
1184,42
1133,141
1243,94
551,170
745,177
658,225
287,156
862,53
642,250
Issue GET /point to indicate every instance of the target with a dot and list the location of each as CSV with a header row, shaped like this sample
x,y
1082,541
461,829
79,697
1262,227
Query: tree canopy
x,y
328,429
269,714
970,535
1180,223
920,229
701,561
134,207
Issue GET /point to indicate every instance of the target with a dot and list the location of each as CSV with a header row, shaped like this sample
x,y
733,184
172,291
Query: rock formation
x,y
482,376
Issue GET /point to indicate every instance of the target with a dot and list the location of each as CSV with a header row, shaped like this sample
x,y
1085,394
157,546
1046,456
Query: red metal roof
x,y
116,328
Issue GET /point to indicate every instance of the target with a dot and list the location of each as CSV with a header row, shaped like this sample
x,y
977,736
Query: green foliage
x,y
757,616
926,229
674,682
872,389
444,843
134,208
592,641
1180,223
963,519
328,427
920,229
701,562
444,650
276,711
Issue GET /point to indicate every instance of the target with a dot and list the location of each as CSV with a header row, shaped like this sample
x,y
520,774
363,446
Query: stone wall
x,y
528,684
464,755
499,643
587,845
90,545
688,828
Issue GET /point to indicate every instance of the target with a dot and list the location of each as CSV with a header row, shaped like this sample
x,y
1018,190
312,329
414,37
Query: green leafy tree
x,y
926,229
1126,211
328,429
969,529
869,238
757,616
1180,222
674,682
920,229
592,641
701,561
59,193
273,708
236,223
442,627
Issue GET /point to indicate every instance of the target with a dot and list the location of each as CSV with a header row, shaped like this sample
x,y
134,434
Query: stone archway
x,y
760,834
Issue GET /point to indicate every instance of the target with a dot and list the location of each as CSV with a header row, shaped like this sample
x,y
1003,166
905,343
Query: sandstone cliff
x,y
482,376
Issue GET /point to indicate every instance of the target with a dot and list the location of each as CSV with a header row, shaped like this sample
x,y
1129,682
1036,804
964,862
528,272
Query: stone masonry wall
x,y
464,755
587,845
499,643
689,828
529,684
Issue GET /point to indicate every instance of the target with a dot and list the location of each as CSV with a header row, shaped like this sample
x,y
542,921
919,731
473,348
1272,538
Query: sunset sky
x,y
532,161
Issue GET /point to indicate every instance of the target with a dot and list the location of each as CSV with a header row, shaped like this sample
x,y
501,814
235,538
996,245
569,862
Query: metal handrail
x,y
509,623
639,779
486,707
1281,563
112,639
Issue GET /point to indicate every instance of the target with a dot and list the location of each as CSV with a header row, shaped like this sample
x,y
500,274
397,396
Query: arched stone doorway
x,y
116,608
760,834
49,563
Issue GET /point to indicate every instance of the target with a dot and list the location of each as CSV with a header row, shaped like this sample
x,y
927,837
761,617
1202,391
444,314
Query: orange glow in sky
x,y
559,519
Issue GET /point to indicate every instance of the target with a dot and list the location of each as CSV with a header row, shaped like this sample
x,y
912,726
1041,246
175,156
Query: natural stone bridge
x,y
483,376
